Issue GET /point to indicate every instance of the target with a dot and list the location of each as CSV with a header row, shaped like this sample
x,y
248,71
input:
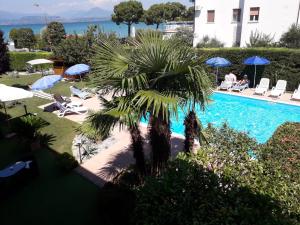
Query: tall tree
x,y
155,15
174,10
14,35
54,34
128,12
26,38
4,57
153,79
291,39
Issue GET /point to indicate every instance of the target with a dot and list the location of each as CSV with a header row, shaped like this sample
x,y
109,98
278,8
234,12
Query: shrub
x,y
207,42
4,58
285,63
188,193
258,39
18,59
185,36
291,39
67,162
73,50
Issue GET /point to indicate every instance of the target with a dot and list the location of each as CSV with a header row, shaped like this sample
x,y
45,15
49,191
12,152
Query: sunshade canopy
x,y
8,93
39,62
78,69
218,62
256,60
46,82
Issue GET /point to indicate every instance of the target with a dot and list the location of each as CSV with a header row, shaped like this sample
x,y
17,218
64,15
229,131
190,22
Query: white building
x,y
232,21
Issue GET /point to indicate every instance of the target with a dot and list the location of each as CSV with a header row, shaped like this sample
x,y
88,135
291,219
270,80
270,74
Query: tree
x,y
291,39
174,10
4,57
151,80
185,36
54,34
258,39
190,13
26,38
23,37
128,12
155,15
14,35
73,50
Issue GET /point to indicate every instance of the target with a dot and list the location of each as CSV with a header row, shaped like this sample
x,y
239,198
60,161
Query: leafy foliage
x,y
73,50
155,15
54,34
128,12
28,126
291,39
4,57
258,39
153,78
185,36
207,42
23,38
221,184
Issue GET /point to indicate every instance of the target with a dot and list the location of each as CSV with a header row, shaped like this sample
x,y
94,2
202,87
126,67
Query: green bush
x,y
67,162
222,185
18,59
285,63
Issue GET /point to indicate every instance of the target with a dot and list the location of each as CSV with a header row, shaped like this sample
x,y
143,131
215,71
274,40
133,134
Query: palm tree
x,y
152,80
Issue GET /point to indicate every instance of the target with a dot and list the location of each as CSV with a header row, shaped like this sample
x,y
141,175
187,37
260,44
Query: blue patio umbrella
x,y
256,60
78,69
46,82
217,62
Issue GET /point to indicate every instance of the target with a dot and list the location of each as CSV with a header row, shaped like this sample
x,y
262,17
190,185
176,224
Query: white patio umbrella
x,y
36,62
39,62
8,94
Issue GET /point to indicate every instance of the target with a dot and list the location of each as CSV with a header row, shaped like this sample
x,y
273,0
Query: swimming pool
x,y
257,117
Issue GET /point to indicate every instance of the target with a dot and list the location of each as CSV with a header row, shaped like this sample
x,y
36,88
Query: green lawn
x,y
54,197
62,129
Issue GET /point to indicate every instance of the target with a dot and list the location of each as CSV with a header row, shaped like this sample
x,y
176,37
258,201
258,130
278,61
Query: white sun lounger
x,y
226,84
70,109
263,86
296,94
279,89
79,93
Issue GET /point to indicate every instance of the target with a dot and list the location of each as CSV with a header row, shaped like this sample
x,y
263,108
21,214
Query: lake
x,y
79,28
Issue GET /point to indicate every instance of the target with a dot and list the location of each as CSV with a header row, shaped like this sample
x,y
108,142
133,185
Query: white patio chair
x,y
263,86
296,94
63,110
279,89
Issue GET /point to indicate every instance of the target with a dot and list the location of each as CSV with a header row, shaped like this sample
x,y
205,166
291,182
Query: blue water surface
x,y
258,118
80,27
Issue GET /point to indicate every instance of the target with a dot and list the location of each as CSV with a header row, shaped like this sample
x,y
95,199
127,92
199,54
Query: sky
x,y
56,6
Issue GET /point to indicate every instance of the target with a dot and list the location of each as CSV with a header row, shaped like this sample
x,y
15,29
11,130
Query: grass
x,y
54,197
62,129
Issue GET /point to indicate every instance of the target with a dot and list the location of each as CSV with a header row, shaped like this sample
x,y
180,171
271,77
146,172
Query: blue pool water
x,y
257,117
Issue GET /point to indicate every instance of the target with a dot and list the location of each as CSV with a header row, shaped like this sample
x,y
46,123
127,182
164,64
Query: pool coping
x,y
278,101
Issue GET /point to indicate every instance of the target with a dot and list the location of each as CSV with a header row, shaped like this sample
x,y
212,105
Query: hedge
x,y
17,60
285,63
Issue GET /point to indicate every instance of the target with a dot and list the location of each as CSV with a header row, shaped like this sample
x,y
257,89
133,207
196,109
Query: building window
x,y
236,15
254,14
210,16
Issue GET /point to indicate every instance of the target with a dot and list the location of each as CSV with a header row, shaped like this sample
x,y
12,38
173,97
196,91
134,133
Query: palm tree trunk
x,y
191,131
160,140
137,148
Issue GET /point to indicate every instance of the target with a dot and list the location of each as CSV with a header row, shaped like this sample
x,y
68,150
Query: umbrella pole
x,y
217,76
254,75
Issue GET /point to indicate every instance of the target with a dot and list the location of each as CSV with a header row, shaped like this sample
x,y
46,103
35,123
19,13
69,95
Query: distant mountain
x,y
91,13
